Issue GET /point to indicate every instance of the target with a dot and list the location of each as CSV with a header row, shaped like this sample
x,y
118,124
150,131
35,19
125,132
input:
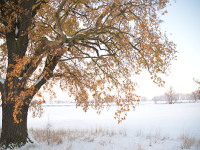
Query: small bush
x,y
186,141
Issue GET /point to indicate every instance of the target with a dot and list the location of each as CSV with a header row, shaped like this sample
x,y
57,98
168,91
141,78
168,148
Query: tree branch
x,y
47,72
139,51
57,19
32,65
4,21
2,34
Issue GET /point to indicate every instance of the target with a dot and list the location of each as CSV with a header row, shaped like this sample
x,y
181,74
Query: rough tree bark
x,y
18,19
12,132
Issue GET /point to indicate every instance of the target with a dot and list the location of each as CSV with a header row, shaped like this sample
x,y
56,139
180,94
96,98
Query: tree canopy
x,y
89,47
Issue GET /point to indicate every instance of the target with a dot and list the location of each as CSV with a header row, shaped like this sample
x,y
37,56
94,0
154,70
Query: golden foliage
x,y
91,47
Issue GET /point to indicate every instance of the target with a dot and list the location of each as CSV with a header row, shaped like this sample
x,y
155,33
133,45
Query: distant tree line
x,y
172,97
177,98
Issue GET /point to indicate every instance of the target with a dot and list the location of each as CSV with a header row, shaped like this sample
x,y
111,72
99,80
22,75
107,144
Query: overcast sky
x,y
183,23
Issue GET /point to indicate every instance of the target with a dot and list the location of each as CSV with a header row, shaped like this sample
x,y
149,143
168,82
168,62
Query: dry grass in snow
x,y
188,141
107,139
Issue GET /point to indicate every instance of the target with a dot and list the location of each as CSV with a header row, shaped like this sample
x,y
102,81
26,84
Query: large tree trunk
x,y
13,134
13,88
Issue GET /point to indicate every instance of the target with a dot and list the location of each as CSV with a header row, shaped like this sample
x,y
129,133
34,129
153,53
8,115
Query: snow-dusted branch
x,y
57,19
39,79
2,81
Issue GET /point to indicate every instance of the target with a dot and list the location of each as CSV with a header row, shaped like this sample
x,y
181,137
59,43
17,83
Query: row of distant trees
x,y
172,97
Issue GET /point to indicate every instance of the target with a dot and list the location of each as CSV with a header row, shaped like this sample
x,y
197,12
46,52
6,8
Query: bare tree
x,y
170,95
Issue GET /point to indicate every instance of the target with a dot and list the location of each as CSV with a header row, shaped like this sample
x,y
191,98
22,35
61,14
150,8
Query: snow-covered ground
x,y
149,127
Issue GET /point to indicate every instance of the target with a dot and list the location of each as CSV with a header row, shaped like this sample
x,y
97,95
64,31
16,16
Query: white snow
x,y
39,79
2,80
48,38
16,31
65,44
68,37
149,127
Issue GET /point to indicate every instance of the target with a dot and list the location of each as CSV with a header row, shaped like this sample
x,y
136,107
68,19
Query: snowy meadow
x,y
149,127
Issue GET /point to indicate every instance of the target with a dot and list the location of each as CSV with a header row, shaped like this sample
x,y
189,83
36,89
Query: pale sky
x,y
183,23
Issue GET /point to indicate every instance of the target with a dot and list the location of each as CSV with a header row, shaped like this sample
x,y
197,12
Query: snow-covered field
x,y
149,127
